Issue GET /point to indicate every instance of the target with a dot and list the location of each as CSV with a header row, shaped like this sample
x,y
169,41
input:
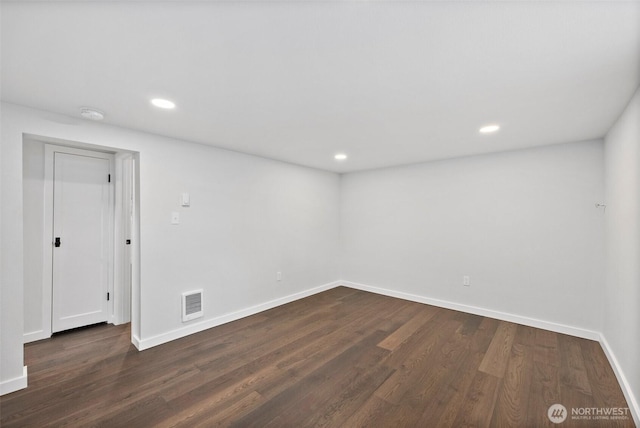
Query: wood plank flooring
x,y
342,358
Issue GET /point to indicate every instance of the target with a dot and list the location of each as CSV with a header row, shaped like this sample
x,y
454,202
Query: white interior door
x,y
82,219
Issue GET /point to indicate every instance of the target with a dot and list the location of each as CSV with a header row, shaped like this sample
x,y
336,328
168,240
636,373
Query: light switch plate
x,y
175,218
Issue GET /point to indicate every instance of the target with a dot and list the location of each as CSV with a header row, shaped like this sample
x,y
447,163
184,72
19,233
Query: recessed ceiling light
x,y
162,103
340,157
488,129
91,113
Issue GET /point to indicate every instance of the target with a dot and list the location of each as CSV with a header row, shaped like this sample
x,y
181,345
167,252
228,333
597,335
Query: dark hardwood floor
x,y
342,358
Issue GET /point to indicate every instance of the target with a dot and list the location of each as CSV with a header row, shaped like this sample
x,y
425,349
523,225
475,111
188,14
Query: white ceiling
x,y
387,82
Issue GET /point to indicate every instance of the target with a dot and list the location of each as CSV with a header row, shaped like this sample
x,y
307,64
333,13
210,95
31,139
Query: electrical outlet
x,y
278,276
175,218
466,280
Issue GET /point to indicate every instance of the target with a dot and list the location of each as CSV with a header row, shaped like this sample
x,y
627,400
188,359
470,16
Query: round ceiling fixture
x,y
340,157
162,103
91,113
488,129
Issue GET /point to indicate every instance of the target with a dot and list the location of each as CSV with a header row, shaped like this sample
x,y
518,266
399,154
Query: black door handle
x,y
57,243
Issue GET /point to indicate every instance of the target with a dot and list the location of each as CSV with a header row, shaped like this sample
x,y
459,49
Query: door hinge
x,y
108,296
109,178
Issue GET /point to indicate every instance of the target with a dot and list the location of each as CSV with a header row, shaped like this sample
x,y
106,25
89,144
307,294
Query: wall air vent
x,y
191,305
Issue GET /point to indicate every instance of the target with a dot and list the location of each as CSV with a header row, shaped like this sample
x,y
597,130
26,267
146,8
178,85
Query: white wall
x,y
622,291
521,224
11,316
33,202
249,217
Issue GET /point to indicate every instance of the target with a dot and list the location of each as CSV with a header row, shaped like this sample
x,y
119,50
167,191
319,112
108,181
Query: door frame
x,y
124,229
47,277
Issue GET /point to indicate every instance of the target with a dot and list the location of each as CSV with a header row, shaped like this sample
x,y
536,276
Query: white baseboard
x,y
14,384
504,316
150,342
136,341
35,335
622,380
532,322
142,344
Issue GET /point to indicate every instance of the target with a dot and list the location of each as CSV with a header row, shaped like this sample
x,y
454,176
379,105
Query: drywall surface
x,y
522,225
621,298
249,218
33,232
11,313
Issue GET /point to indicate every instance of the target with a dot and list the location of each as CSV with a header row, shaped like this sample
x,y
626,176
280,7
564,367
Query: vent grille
x,y
191,305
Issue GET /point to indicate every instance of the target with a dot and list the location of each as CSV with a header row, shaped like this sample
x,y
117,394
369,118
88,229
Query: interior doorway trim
x,y
125,242
126,163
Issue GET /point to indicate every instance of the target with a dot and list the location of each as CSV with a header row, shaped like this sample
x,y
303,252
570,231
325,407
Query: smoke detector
x,y
91,113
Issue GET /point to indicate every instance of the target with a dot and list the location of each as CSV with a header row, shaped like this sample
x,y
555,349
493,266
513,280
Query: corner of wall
x,y
622,379
620,326
15,384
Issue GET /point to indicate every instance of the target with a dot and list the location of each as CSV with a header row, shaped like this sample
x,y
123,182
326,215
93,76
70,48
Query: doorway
x,y
53,170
